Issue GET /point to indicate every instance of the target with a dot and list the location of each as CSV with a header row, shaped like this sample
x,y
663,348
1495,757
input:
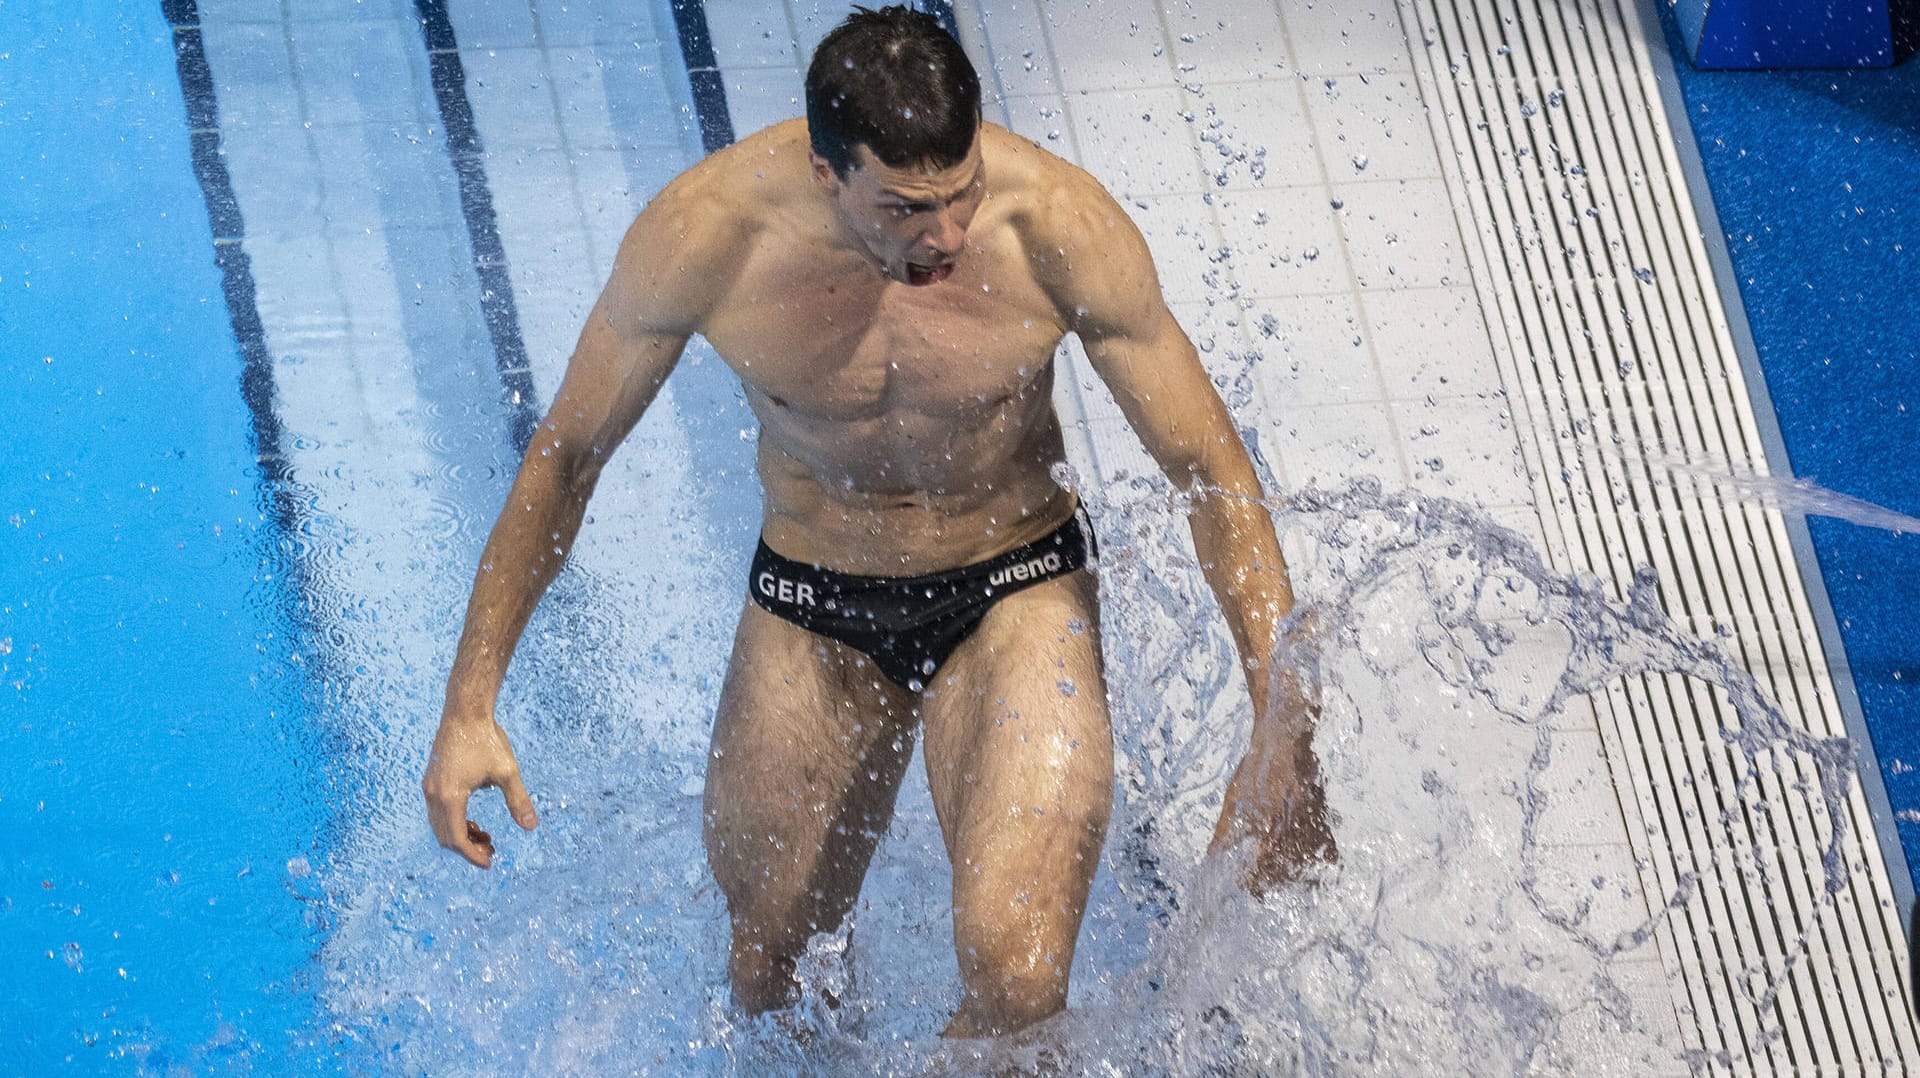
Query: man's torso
x,y
904,429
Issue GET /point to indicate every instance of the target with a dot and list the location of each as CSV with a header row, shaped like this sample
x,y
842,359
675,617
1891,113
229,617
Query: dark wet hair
x,y
896,82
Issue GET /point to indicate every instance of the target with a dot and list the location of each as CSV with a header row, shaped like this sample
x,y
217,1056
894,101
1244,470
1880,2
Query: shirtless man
x,y
889,279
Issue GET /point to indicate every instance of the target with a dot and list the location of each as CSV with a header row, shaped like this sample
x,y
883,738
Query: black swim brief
x,y
909,625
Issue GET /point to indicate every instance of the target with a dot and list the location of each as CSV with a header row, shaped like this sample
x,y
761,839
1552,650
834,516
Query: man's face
x,y
912,220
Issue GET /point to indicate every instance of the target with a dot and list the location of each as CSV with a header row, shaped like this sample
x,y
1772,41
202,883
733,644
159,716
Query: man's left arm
x,y
1103,275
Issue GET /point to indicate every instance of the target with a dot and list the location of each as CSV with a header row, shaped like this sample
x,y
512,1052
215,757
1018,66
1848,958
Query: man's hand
x,y
471,753
1275,798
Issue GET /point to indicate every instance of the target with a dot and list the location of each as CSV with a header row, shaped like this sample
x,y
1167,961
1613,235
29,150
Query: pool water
x,y
219,675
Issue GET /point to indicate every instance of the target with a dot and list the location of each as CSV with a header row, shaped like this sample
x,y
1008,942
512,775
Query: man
x,y
890,279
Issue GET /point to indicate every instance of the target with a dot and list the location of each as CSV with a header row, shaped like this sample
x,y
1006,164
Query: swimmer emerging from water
x,y
890,278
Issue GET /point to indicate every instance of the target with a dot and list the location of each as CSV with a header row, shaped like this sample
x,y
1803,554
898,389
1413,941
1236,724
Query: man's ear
x,y
824,177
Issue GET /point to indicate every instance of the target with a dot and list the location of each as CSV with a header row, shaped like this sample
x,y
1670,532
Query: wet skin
x,y
895,330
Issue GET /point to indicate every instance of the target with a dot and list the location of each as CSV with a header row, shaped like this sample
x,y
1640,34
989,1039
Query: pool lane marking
x,y
703,74
468,154
257,390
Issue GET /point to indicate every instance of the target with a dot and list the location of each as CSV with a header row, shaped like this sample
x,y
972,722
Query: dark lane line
x,y
483,230
285,501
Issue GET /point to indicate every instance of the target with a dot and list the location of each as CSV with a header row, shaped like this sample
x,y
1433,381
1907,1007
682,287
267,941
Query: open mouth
x,y
924,275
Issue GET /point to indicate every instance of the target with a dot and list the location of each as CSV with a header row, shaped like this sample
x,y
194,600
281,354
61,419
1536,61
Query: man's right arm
x,y
667,275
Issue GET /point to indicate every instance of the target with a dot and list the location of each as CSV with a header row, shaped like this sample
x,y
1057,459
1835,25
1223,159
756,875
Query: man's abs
x,y
854,514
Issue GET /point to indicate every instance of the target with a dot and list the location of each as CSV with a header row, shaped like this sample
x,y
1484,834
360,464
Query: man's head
x,y
893,115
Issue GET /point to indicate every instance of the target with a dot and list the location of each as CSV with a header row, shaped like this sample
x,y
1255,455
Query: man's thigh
x,y
809,745
1020,760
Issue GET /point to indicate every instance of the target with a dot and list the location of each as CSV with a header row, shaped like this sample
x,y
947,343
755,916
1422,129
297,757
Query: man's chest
x,y
845,345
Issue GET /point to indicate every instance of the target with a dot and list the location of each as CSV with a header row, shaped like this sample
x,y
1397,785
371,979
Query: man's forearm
x,y
1240,555
525,551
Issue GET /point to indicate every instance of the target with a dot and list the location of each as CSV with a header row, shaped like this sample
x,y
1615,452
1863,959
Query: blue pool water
x,y
164,782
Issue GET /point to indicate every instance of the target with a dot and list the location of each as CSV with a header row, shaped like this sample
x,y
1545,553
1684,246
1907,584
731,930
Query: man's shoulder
x,y
693,238
735,190
1076,235
1050,199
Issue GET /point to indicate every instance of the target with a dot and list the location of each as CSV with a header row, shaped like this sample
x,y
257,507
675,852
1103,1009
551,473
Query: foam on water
x,y
1459,932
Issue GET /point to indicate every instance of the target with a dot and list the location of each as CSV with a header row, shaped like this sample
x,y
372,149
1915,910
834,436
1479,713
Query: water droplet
x,y
1067,687
1310,253
1338,204
1360,162
1645,275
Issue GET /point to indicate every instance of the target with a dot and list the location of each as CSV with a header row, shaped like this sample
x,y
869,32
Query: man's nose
x,y
948,232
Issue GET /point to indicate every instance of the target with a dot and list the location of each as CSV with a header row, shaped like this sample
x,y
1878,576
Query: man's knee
x,y
1006,996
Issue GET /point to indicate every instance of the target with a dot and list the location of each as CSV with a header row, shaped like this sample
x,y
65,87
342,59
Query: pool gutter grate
x,y
1588,259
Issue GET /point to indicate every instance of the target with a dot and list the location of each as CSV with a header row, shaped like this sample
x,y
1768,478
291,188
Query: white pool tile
x,y
576,23
544,201
1595,889
1227,41
1284,241
1525,520
1136,141
1401,234
479,25
750,33
1464,448
252,68
530,99
1108,44
580,96
1042,118
1332,37
1185,241
1378,119
1264,121
1019,63
1216,336
1333,443
1314,350
760,97
1579,804
1431,342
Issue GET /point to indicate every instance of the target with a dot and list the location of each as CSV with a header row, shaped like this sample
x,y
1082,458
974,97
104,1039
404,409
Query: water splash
x,y
1461,931
1789,495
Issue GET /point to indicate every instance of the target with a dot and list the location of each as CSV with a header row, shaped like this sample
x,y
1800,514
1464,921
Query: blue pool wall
x,y
1755,34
